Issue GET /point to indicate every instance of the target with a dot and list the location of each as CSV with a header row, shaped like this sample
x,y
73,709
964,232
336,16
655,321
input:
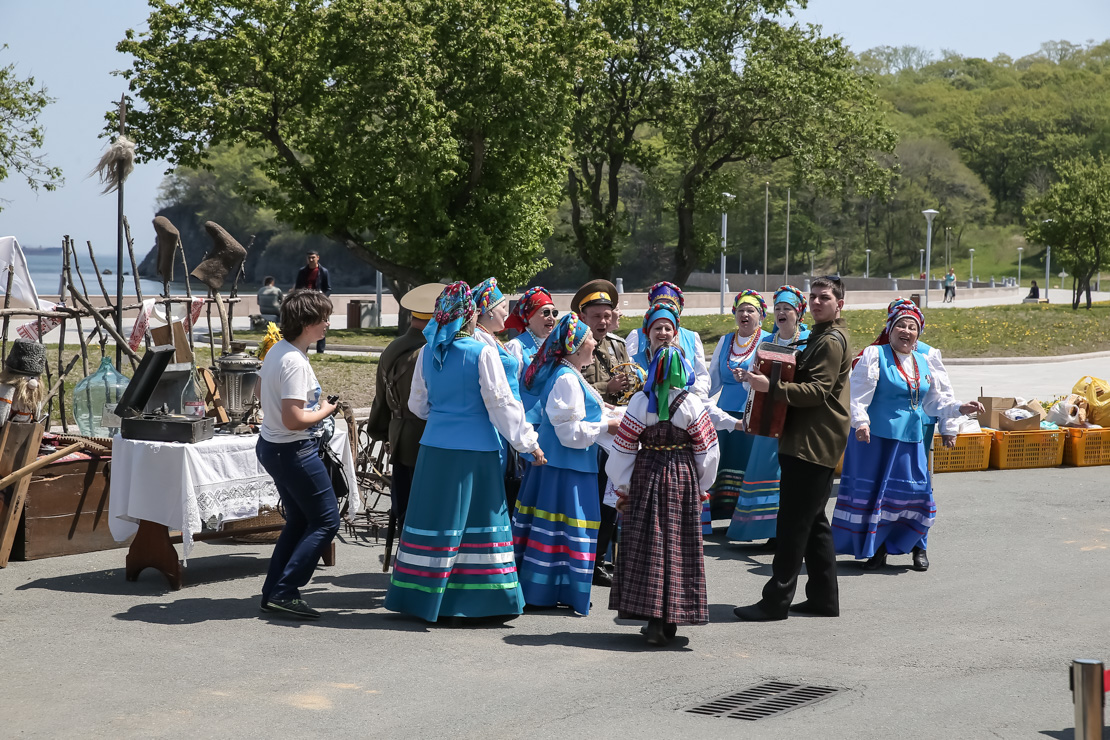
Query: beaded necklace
x,y
583,382
495,337
738,353
914,383
536,340
791,340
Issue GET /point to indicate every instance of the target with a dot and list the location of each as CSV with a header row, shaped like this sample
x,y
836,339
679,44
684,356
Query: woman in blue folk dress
x,y
757,505
885,501
558,512
734,353
455,557
533,317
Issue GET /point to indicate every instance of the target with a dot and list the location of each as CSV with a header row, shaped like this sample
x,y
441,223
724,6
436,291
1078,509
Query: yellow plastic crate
x,y
1036,449
1087,447
972,452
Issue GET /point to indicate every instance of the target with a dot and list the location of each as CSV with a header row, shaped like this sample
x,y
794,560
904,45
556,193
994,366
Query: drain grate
x,y
763,700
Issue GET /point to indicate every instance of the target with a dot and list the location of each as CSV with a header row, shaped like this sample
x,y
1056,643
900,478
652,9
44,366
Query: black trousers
x,y
399,487
803,534
608,524
320,345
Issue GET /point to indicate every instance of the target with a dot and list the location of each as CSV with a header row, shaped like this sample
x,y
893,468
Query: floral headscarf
x,y
487,296
753,298
565,339
454,309
664,309
665,291
899,308
530,302
793,296
669,369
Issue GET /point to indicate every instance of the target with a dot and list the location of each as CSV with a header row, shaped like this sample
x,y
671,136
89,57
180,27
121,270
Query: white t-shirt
x,y
286,373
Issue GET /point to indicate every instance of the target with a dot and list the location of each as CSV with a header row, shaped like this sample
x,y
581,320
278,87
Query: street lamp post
x,y
1047,264
724,244
971,270
867,270
1020,250
786,265
947,258
929,214
766,226
920,261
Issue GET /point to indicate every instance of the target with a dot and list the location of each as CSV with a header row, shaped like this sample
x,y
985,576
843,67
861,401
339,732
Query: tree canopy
x,y
21,134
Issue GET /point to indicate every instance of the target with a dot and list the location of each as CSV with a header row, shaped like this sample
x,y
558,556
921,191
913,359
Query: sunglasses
x,y
549,312
833,278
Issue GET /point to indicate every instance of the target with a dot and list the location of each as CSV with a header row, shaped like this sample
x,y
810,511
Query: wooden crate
x,y
66,511
1087,447
972,452
1034,449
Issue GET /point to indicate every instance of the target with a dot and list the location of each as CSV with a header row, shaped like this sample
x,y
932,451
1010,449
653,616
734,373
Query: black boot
x,y
920,560
656,632
876,561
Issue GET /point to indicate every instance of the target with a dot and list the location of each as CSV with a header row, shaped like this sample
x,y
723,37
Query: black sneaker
x,y
292,607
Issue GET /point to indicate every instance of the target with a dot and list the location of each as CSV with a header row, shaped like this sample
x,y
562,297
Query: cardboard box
x,y
1033,423
994,406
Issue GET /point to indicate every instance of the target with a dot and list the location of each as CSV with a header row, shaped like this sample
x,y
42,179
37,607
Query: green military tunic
x,y
609,353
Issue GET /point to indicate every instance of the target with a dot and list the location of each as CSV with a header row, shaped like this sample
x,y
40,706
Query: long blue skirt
x,y
736,448
757,506
885,498
455,556
555,535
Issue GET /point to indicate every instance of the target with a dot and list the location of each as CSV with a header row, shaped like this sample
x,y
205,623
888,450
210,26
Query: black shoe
x,y
920,559
292,607
808,607
755,613
602,577
656,632
876,561
670,629
771,544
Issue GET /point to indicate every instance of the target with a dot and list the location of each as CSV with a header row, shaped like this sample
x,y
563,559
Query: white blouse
x,y
506,413
938,400
566,408
692,415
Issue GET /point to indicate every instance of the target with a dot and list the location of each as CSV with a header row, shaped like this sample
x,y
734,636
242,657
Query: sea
x,y
46,272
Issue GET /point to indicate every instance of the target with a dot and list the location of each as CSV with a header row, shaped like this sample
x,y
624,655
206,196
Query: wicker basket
x,y
1035,449
265,518
1087,447
972,452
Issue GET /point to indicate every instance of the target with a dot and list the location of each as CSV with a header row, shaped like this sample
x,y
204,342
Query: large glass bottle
x,y
192,395
94,400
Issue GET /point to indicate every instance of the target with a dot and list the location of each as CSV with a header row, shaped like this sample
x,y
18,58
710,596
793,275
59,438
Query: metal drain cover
x,y
763,700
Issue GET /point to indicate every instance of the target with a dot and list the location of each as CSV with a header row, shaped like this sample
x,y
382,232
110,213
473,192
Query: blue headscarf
x,y
669,369
663,309
565,339
487,295
454,309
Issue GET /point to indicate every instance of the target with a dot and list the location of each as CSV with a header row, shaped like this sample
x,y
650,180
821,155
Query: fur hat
x,y
26,358
168,237
224,259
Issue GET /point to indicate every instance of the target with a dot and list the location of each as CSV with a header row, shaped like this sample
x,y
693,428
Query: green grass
x,y
378,337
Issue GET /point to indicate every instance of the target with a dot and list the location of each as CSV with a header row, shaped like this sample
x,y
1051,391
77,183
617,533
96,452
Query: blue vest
x,y
889,411
529,398
734,394
584,461
512,369
458,419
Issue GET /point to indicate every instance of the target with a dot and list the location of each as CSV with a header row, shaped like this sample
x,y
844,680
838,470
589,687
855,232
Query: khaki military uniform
x,y
609,353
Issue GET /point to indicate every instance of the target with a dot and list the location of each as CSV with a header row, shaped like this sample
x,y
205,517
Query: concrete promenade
x,y
978,647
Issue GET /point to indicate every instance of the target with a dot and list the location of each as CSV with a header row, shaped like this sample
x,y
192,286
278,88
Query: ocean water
x,y
46,272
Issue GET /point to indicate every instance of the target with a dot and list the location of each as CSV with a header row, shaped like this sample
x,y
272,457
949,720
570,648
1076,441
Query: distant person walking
x,y
269,300
950,286
314,276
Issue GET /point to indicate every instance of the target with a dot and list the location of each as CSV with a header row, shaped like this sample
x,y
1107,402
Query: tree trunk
x,y
682,261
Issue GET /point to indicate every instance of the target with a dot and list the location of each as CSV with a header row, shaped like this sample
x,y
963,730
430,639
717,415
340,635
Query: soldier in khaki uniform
x,y
390,417
596,303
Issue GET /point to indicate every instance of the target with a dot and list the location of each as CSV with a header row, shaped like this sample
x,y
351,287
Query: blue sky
x,y
69,45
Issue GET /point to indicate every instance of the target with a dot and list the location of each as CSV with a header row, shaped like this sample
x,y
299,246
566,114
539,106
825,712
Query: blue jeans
x,y
311,514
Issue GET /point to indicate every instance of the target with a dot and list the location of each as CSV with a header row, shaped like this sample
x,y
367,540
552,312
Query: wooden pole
x,y
135,273
188,290
75,264
104,323
7,319
228,331
119,241
62,376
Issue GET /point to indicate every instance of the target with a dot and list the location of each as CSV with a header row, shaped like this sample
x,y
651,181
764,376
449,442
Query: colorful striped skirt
x,y
455,556
757,507
555,535
736,447
884,498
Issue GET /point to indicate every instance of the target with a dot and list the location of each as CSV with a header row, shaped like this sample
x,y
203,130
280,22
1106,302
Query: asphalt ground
x,y
977,647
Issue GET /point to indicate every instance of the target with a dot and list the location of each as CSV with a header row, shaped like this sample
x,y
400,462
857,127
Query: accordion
x,y
763,415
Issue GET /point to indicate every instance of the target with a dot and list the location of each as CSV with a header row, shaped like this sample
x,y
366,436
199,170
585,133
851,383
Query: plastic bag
x,y
1097,393
1017,414
1069,412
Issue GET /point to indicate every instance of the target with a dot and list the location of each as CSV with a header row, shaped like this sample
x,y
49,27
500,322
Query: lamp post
x,y
920,261
1020,250
1047,264
786,264
867,270
929,214
724,243
766,232
971,270
947,258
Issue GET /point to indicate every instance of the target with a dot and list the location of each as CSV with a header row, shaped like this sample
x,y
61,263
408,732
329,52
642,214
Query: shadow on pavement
x,y
631,642
1069,733
211,569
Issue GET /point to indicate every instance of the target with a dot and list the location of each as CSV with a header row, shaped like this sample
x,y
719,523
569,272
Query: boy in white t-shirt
x,y
289,451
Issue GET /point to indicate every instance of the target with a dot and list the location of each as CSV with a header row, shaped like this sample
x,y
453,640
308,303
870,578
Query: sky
x,y
69,46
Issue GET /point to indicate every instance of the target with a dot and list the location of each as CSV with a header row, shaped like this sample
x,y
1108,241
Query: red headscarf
x,y
530,302
899,308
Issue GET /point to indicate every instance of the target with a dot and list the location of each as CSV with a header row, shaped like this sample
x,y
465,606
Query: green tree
x,y
1074,219
425,135
21,134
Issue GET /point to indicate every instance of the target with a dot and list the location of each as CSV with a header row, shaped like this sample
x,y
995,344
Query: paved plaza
x,y
977,647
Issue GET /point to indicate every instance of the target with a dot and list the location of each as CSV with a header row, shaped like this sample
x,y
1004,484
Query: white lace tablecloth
x,y
190,486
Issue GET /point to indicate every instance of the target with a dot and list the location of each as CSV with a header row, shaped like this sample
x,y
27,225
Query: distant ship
x,y
50,251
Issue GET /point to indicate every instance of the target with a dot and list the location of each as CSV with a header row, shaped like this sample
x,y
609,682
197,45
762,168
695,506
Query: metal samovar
x,y
238,381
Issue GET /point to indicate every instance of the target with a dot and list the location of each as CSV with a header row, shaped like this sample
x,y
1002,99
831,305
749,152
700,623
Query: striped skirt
x,y
757,507
736,447
455,556
555,534
885,498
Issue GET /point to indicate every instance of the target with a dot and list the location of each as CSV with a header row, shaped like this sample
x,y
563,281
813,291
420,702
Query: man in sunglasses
x,y
813,440
596,303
